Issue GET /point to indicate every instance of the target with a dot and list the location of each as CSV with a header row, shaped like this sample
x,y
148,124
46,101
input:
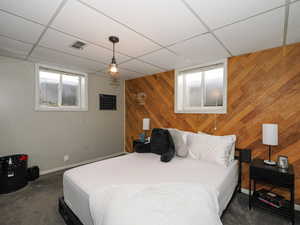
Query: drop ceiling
x,y
155,36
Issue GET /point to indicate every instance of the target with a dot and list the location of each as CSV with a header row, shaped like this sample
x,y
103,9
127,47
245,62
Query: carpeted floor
x,y
36,204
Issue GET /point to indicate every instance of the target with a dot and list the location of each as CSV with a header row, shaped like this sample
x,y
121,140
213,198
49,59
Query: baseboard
x,y
80,163
246,191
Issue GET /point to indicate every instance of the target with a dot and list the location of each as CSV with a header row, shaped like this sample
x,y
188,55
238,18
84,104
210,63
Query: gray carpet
x,y
36,204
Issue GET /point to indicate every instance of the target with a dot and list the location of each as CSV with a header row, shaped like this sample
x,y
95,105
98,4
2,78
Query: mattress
x,y
146,168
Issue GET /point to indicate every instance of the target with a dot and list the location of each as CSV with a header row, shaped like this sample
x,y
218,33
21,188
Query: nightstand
x,y
260,172
141,147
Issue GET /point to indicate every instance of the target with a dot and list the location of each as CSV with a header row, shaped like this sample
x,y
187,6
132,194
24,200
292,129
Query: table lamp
x,y
270,138
146,124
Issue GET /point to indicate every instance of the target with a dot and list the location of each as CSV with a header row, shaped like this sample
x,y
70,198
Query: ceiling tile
x,y
166,22
202,49
293,33
124,74
40,11
18,28
84,22
59,41
140,67
15,47
261,32
10,54
216,13
50,57
166,59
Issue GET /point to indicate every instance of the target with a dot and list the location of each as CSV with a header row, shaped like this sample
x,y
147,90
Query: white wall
x,y
47,136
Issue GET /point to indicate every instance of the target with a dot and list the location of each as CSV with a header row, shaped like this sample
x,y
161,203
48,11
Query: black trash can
x,y
13,172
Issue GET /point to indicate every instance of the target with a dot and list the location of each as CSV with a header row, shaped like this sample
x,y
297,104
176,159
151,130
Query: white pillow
x,y
209,148
179,139
230,138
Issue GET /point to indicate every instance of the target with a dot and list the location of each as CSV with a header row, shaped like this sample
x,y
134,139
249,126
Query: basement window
x,y
60,90
201,89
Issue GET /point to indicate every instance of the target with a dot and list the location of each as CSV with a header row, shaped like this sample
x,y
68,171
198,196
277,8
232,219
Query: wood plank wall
x,y
263,87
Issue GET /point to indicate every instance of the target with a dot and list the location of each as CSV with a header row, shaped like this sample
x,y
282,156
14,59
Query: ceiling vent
x,y
78,45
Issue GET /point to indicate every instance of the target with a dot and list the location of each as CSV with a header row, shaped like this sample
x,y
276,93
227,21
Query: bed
x,y
134,168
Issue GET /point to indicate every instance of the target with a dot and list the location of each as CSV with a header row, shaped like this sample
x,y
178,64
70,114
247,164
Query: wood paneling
x,y
263,87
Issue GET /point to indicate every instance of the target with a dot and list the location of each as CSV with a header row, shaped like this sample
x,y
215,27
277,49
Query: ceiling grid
x,y
192,44
47,26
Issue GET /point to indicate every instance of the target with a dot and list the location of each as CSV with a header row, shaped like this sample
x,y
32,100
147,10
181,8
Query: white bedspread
x,y
159,204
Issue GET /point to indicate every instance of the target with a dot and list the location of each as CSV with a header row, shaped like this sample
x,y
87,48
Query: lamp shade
x,y
146,124
270,134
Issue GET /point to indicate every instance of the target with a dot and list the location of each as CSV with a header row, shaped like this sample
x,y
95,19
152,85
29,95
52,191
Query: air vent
x,y
78,45
107,102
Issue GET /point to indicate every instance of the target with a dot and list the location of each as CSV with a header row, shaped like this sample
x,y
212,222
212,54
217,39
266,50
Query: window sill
x,y
41,109
223,111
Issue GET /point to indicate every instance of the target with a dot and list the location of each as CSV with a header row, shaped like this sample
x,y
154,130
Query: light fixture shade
x,y
113,69
270,134
146,124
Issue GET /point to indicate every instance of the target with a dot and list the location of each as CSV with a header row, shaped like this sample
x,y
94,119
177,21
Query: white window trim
x,y
80,108
210,109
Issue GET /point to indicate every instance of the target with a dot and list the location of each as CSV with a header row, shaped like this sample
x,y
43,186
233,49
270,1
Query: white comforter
x,y
159,204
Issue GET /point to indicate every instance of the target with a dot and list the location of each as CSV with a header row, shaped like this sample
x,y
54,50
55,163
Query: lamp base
x,y
270,162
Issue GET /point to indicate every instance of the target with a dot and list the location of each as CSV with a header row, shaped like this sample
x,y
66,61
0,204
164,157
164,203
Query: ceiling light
x,y
113,68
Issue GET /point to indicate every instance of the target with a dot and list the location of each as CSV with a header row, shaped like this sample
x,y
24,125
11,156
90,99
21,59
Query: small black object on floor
x,y
13,172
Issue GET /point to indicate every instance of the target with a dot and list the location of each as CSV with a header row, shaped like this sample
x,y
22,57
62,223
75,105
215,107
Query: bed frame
x,y
242,155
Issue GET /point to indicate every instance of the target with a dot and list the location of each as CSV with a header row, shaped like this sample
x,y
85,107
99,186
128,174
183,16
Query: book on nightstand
x,y
271,199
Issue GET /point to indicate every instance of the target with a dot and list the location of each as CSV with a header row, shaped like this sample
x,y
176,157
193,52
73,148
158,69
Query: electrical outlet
x,y
66,158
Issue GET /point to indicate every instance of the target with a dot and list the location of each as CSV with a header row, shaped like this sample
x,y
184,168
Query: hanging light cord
x,y
215,128
113,51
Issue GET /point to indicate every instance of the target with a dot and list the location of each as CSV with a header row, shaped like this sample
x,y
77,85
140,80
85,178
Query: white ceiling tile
x,y
293,33
261,32
84,22
166,59
124,74
216,13
4,52
202,49
59,41
140,67
47,56
19,29
40,11
166,21
13,46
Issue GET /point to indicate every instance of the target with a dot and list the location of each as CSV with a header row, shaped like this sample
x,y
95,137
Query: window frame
x,y
83,94
204,109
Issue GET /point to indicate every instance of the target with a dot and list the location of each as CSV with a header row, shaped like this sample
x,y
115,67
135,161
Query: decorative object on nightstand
x,y
270,138
283,162
272,175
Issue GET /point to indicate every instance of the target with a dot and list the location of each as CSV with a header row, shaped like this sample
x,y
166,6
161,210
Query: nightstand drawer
x,y
271,177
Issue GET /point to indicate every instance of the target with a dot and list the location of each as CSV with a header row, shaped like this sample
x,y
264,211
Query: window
x,y
60,90
201,89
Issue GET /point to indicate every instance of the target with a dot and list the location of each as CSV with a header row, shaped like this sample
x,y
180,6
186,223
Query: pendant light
x,y
113,68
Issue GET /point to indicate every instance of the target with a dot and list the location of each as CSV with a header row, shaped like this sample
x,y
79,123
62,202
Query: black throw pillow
x,y
162,144
167,156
